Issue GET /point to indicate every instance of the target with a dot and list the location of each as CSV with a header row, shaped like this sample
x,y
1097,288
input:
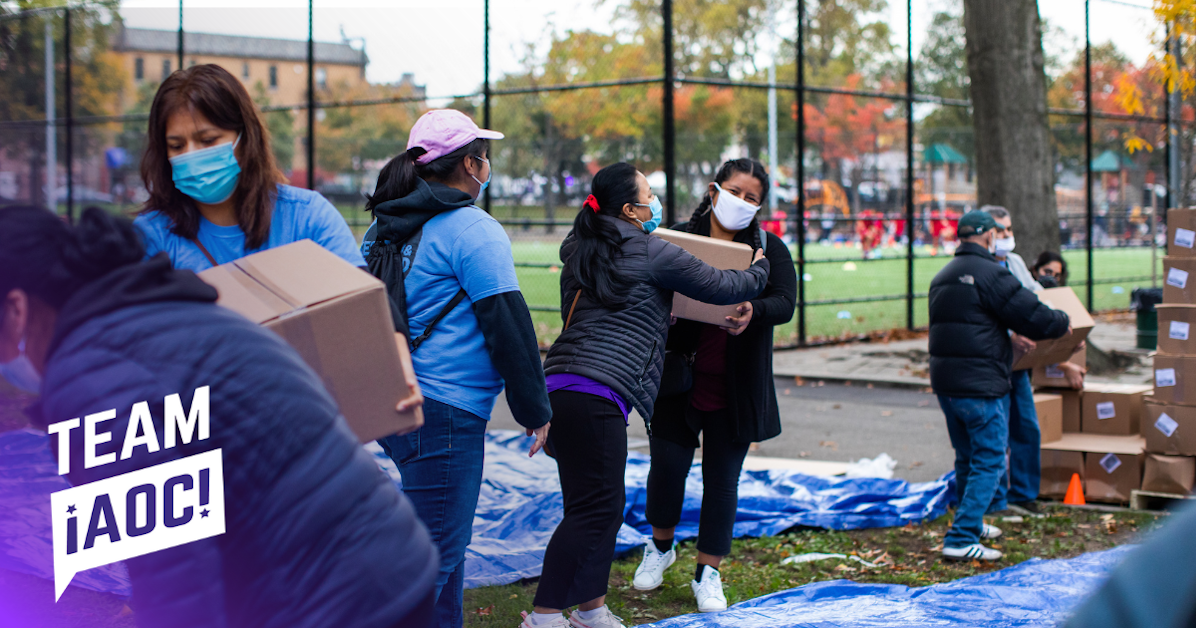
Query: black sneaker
x,y
1027,509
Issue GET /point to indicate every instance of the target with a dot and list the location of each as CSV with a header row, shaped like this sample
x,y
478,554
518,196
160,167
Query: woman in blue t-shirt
x,y
215,192
449,265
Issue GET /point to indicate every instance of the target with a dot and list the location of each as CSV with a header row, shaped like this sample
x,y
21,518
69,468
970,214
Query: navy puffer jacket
x,y
624,348
974,303
316,535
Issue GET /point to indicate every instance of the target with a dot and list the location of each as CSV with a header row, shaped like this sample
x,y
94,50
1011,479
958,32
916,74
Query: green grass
x,y
907,556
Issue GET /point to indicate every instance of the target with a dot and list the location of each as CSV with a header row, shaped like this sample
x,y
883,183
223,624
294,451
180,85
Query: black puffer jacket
x,y
751,391
624,348
974,302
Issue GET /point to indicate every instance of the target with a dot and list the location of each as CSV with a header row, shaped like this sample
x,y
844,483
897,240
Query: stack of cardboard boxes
x,y
1169,424
1094,432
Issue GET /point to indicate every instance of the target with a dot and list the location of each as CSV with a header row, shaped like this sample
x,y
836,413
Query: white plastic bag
x,y
879,467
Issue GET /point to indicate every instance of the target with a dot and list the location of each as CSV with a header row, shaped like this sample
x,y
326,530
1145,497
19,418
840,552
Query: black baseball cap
x,y
976,223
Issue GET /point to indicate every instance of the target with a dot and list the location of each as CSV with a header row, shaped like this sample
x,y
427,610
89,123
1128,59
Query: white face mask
x,y
20,372
1003,246
733,212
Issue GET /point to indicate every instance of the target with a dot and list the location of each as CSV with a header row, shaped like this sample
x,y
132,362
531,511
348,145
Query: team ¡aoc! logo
x,y
143,511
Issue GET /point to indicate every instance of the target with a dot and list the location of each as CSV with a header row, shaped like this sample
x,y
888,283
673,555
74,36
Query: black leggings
x,y
589,440
722,460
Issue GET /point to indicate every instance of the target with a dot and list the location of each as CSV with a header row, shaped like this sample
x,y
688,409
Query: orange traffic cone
x,y
1075,492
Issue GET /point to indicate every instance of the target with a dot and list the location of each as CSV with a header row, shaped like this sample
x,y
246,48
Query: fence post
x,y
180,41
909,164
311,99
70,118
670,136
799,209
486,86
1088,148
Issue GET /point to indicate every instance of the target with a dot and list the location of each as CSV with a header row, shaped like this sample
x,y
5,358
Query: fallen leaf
x,y
829,444
869,386
837,406
485,611
886,413
915,464
799,381
514,596
847,383
923,404
803,454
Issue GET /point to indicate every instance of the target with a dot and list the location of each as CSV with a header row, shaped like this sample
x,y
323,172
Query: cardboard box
x,y
1112,464
1073,401
1050,376
1169,429
1060,349
1050,416
1057,469
1112,409
1175,379
1179,279
717,253
337,317
1177,328
1169,474
1181,232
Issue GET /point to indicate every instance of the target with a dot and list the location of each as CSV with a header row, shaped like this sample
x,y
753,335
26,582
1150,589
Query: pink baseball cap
x,y
442,131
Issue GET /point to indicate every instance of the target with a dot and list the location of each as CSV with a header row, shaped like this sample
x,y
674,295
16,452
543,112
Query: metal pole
x,y
486,85
51,130
311,100
1088,144
70,118
180,42
909,164
1174,180
670,136
772,135
799,209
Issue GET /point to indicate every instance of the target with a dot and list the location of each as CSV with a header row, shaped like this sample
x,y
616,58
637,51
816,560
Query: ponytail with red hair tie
x,y
591,203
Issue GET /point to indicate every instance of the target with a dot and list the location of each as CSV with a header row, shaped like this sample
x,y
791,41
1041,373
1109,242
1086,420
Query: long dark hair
x,y
398,176
598,241
222,99
729,169
1046,257
45,257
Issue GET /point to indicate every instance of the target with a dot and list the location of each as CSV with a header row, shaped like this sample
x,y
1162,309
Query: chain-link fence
x,y
887,164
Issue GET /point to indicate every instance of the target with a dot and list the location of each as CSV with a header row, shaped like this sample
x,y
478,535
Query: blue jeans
x,y
441,465
1020,481
979,430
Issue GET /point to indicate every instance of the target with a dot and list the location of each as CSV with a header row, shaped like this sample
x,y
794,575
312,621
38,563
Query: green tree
x,y
942,70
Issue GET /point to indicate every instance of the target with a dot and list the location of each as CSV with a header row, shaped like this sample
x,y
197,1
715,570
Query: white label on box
x,y
1166,425
1054,372
1177,278
1164,377
1179,330
1105,410
1185,238
1110,463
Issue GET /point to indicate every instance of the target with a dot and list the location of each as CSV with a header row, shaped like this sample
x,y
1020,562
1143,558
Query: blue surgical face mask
x,y
208,175
489,175
20,372
657,214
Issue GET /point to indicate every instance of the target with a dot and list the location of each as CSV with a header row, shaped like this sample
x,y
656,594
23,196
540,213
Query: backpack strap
x,y
419,340
569,318
203,249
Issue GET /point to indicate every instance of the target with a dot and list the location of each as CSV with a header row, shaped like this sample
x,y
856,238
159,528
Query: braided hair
x,y
729,169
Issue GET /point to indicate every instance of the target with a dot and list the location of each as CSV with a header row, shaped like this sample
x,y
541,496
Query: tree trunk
x,y
1014,160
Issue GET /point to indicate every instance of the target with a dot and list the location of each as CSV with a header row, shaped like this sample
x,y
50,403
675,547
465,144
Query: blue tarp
x,y
1034,593
519,507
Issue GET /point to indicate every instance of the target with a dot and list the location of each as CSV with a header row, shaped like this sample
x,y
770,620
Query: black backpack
x,y
391,262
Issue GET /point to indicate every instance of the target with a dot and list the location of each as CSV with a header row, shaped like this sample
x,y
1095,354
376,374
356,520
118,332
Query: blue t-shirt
x,y
460,248
298,214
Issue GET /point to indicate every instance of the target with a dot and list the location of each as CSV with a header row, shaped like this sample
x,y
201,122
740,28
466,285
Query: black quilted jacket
x,y
974,302
624,348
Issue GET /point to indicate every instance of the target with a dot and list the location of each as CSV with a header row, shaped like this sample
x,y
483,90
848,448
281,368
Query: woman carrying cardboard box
x,y
732,401
617,287
215,192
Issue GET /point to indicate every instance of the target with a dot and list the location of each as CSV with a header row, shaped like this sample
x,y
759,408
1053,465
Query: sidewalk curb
x,y
894,382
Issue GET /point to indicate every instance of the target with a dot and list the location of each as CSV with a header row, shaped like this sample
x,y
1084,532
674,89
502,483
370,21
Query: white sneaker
x,y
989,532
974,551
606,619
650,573
558,622
709,592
